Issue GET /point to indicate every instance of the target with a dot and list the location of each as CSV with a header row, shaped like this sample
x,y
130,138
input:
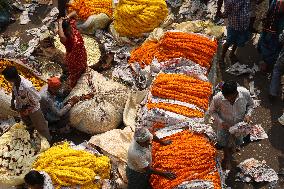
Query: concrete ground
x,y
271,150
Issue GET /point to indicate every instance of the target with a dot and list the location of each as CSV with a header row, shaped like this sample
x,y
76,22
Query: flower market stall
x,y
169,59
69,167
179,98
6,88
18,151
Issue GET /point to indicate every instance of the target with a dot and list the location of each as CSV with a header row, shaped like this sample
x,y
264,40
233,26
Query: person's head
x,y
11,74
54,85
34,180
67,28
143,137
230,90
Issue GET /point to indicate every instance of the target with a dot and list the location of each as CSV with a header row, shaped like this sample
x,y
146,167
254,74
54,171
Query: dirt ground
x,y
271,150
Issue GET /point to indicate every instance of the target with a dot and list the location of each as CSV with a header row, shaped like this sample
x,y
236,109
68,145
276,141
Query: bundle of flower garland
x,y
86,8
181,89
17,154
190,157
91,45
194,47
4,84
69,167
135,17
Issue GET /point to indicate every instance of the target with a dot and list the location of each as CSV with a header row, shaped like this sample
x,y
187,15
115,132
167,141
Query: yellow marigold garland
x,y
86,8
69,167
197,48
190,157
4,84
135,17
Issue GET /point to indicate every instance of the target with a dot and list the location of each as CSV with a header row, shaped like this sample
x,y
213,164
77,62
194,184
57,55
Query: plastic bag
x,y
94,22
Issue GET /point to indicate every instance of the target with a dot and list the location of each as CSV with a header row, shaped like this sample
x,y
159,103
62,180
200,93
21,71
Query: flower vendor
x,y
76,55
229,107
268,45
238,14
55,113
139,161
38,180
278,71
26,101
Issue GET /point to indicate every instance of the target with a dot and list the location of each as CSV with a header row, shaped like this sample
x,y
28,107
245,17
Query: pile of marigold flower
x,y
4,84
69,167
182,88
86,8
134,17
195,47
190,156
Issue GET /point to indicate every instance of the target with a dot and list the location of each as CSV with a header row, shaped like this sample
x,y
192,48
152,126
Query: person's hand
x,y
60,20
88,96
166,142
247,119
225,125
66,18
170,175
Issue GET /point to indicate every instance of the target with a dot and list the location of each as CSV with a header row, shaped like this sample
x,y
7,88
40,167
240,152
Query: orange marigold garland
x,y
178,109
194,47
86,8
183,88
190,157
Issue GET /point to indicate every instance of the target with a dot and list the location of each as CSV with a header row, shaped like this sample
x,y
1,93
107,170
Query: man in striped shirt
x,y
238,14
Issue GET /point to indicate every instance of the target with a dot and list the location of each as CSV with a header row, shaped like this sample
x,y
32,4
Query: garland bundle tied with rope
x,y
181,88
190,156
132,18
69,167
195,47
86,8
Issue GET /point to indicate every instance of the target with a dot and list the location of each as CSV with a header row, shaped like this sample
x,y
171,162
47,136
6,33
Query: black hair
x,y
62,6
10,72
66,28
229,88
34,178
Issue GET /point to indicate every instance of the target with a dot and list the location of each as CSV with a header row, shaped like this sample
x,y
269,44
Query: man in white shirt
x,y
139,160
25,100
229,107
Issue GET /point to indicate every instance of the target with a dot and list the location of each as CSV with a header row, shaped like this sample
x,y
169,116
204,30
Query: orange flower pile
x,y
86,8
182,88
190,157
194,47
